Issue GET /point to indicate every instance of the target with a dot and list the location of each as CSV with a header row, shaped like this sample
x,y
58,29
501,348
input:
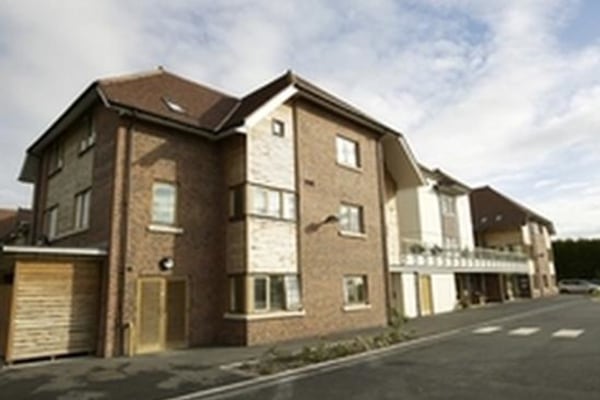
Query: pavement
x,y
177,373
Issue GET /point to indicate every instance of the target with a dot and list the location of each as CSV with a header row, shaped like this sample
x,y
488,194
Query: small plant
x,y
417,249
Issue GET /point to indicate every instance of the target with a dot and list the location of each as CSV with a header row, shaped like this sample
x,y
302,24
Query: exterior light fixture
x,y
166,263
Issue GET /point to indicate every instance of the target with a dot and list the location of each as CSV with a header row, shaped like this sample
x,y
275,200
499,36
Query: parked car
x,y
577,286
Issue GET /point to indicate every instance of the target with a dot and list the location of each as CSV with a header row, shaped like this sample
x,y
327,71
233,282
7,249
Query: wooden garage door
x,y
55,309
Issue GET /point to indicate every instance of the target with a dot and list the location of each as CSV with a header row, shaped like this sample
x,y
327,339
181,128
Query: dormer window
x,y
173,106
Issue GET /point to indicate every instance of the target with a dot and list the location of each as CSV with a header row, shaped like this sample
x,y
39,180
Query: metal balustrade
x,y
415,254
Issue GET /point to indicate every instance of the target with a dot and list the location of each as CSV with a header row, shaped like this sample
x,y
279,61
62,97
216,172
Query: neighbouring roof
x,y
445,182
164,97
14,223
491,210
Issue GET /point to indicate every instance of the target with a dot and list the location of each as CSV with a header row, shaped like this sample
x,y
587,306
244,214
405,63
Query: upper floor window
x,y
347,152
351,218
82,209
448,204
278,128
273,203
89,135
164,200
52,222
355,290
56,157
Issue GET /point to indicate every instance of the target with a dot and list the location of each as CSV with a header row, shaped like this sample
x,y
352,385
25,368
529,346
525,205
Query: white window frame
x,y
82,209
52,222
56,157
89,138
448,204
278,127
272,203
157,185
292,293
346,280
348,211
347,152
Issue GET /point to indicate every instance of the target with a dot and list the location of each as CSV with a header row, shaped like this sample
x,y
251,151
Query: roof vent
x,y
173,106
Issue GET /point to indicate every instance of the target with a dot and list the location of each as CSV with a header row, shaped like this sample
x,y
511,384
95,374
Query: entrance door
x,y
162,314
425,294
397,294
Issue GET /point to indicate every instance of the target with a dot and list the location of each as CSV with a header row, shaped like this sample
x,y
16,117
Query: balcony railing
x,y
418,254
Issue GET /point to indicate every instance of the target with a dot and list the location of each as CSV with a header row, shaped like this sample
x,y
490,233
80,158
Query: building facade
x,y
224,220
436,267
502,223
182,216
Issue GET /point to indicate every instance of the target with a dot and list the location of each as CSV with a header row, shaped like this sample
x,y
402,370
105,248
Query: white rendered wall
x,y
443,288
526,234
465,226
409,292
392,230
429,215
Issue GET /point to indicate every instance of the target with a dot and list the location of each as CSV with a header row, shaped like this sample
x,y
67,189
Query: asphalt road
x,y
553,354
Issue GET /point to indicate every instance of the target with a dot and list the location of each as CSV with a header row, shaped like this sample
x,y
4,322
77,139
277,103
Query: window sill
x,y
174,230
356,307
54,171
354,235
350,167
85,150
67,234
265,315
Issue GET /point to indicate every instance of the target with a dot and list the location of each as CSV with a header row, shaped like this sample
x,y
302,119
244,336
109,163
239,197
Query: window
x,y
278,128
261,301
355,290
163,203
237,299
276,293
52,222
56,160
236,202
89,135
347,152
82,209
351,218
273,203
448,204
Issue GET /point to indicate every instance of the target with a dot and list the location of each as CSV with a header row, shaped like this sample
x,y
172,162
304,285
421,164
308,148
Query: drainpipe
x,y
126,326
384,246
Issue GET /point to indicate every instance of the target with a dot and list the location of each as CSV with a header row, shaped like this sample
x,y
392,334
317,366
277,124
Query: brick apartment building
x,y
502,223
222,219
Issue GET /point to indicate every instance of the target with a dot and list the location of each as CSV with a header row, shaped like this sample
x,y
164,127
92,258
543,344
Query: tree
x,y
577,258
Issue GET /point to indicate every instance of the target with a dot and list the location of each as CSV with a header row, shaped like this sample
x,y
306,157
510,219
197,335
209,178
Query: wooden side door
x,y
162,314
426,300
151,315
397,294
176,313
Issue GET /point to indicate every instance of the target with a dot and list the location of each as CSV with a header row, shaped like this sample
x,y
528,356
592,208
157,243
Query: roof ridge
x,y
130,77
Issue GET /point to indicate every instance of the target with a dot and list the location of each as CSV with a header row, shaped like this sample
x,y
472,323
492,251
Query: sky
x,y
500,93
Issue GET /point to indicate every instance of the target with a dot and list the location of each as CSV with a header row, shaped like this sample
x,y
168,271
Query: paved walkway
x,y
175,373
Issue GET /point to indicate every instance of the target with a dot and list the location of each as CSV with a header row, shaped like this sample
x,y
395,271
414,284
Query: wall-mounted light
x,y
166,263
331,219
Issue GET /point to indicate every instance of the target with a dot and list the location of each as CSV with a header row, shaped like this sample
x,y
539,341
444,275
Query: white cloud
x,y
484,90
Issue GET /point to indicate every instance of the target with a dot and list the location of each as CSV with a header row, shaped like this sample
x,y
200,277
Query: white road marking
x,y
487,329
568,333
525,331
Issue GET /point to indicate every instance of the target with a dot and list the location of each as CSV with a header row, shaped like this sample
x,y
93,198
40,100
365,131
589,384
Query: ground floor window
x,y
355,290
264,293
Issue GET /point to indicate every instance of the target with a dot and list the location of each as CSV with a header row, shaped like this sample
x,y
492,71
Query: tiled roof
x,y
166,95
493,210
